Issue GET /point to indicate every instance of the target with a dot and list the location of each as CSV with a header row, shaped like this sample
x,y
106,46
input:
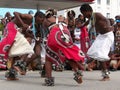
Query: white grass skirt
x,y
20,46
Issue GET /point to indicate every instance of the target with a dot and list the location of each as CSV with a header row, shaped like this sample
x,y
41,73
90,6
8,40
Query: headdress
x,y
50,12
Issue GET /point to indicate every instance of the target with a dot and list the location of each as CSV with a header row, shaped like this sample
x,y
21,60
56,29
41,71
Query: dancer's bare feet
x,y
9,79
21,72
105,79
78,79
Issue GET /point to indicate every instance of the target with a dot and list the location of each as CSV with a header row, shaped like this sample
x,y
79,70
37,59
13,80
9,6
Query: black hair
x,y
40,14
71,12
117,17
83,17
85,8
78,20
30,12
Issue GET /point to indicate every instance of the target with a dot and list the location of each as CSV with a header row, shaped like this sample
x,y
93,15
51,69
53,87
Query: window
x,y
98,1
108,2
108,15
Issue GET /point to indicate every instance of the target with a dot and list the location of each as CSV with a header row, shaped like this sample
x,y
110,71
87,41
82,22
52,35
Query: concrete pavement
x,y
63,81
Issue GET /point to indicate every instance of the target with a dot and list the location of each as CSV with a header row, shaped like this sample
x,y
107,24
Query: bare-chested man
x,y
103,42
24,21
13,38
36,24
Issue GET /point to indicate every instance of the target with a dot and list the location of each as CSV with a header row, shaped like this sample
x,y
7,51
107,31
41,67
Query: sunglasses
x,y
117,20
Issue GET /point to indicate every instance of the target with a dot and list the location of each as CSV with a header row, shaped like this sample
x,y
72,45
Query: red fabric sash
x,y
8,39
84,40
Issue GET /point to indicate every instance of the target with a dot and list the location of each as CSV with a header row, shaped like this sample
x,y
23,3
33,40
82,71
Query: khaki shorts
x,y
113,62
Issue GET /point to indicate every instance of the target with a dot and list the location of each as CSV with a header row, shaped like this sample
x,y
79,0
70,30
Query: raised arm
x,y
24,20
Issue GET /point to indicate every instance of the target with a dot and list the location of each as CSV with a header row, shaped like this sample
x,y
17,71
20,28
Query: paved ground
x,y
63,81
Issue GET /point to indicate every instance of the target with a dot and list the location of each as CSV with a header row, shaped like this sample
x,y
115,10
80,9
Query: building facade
x,y
109,8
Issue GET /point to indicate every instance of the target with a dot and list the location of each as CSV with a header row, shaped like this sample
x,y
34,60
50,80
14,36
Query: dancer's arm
x,y
24,19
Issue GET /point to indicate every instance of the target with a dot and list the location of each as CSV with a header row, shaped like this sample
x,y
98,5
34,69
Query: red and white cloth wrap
x,y
15,40
6,42
58,49
2,62
8,38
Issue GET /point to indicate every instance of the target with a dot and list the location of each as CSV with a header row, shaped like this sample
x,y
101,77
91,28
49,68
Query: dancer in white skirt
x,y
101,46
14,44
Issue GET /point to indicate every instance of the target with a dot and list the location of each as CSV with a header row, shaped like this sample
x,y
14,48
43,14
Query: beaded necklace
x,y
92,31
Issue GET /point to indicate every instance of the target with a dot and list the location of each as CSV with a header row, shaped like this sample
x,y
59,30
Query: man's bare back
x,y
102,24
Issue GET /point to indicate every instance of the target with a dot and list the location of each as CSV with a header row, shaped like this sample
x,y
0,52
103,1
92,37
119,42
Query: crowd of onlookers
x,y
80,36
75,23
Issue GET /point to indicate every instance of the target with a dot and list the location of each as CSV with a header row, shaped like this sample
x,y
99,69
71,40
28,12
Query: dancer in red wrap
x,y
60,48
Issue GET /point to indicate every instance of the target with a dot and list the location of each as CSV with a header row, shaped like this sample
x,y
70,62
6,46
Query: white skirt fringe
x,y
21,46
